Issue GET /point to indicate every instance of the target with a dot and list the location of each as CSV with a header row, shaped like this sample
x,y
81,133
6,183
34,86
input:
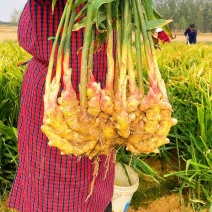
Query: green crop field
x,y
187,72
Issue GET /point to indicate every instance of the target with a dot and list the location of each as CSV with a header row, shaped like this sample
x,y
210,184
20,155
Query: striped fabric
x,y
46,181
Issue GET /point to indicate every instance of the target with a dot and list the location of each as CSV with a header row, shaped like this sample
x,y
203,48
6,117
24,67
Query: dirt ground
x,y
10,32
165,204
155,197
201,37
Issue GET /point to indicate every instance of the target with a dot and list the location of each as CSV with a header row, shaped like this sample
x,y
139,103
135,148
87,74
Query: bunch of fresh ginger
x,y
127,112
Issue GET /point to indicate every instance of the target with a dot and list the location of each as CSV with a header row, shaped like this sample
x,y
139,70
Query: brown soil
x,y
157,197
154,197
8,33
201,37
169,203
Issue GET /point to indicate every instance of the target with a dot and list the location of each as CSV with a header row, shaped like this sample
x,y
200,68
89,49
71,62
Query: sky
x,y
8,6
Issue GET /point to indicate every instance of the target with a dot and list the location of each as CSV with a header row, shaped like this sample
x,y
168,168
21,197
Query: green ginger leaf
x,y
156,23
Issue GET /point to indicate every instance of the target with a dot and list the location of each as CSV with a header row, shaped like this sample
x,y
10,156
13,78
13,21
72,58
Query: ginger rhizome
x,y
127,112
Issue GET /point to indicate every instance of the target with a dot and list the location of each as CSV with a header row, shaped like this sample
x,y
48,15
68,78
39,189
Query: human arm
x,y
186,32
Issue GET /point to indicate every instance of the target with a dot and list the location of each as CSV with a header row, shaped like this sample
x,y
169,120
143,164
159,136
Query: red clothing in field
x,y
46,181
163,37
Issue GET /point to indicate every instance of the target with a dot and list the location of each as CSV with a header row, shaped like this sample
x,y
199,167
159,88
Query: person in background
x,y
162,36
191,34
47,181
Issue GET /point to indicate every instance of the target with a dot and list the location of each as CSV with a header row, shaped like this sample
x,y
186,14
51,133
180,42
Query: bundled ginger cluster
x,y
141,123
120,114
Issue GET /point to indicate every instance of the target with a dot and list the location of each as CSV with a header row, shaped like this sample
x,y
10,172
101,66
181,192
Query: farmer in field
x,y
191,34
47,181
162,36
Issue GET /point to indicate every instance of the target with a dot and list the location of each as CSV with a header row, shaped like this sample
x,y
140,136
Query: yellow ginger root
x,y
57,141
95,151
108,130
164,127
71,114
136,138
102,118
75,147
150,144
106,102
56,120
123,124
132,149
94,108
69,105
137,126
133,102
151,126
144,103
166,113
121,141
108,147
153,113
92,86
166,123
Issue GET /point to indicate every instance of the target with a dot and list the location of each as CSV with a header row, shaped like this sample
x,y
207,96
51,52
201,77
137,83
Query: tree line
x,y
186,12
15,15
183,12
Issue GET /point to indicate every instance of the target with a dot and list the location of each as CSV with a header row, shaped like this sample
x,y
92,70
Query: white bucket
x,y
123,191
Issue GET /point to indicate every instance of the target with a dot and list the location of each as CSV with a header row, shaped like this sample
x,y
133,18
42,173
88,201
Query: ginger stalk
x,y
107,94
